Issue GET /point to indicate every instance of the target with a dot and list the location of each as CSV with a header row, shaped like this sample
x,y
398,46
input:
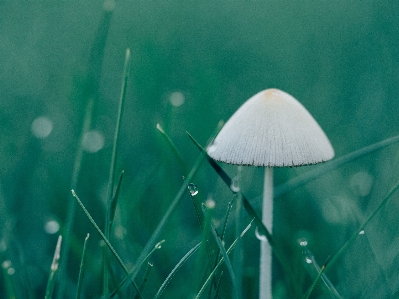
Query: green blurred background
x,y
193,64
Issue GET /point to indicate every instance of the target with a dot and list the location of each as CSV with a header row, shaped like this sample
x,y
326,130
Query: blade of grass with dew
x,y
313,263
145,278
227,262
112,168
114,201
174,149
82,268
175,269
90,93
155,235
331,165
53,270
258,221
319,275
157,246
221,260
111,248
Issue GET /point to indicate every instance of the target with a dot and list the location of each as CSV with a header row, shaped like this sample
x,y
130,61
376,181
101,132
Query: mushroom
x,y
271,129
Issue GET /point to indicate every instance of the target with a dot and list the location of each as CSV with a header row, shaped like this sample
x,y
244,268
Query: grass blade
x,y
175,269
114,201
53,270
331,165
111,248
82,268
145,278
221,261
174,149
319,275
112,168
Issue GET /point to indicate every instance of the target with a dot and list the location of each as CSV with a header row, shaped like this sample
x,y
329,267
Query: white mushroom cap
x,y
271,129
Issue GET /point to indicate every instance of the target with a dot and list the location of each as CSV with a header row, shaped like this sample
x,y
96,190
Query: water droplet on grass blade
x,y
302,242
361,232
308,260
235,184
192,189
259,236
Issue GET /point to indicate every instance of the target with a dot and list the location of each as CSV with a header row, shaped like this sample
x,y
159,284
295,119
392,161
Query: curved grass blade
x,y
82,268
111,248
112,168
175,269
174,149
331,165
251,211
53,270
222,260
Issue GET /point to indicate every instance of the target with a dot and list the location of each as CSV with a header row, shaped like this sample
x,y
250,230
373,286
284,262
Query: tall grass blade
x,y
90,93
82,268
175,269
331,165
174,149
114,201
258,221
112,168
111,248
9,284
53,270
221,261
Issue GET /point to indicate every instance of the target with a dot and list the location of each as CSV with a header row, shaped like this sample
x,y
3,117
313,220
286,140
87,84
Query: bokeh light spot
x,y
176,98
93,141
42,127
52,227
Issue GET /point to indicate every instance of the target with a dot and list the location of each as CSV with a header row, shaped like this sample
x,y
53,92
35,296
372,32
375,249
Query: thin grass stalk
x,y
82,268
174,149
114,201
222,260
216,295
111,248
311,288
53,270
175,269
145,278
227,261
335,258
117,290
290,276
331,165
238,252
112,168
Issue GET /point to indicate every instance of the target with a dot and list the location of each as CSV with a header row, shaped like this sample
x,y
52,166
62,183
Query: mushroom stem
x,y
265,275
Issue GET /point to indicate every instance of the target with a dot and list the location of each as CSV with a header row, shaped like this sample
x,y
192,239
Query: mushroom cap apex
x,y
271,129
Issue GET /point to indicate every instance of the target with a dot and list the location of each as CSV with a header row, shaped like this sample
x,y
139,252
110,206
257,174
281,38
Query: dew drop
x,y
302,242
361,232
308,260
41,127
259,236
51,227
193,189
235,184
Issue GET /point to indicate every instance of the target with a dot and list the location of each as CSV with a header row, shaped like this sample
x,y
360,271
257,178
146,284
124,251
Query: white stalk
x,y
265,275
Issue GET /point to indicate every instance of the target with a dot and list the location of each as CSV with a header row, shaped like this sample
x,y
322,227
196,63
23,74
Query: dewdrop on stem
x,y
192,188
